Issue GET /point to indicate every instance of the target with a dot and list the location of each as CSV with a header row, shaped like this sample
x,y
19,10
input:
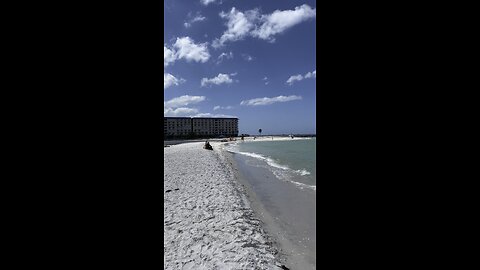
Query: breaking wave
x,y
283,170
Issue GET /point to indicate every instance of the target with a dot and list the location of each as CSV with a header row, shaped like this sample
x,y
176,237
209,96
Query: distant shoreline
x,y
250,138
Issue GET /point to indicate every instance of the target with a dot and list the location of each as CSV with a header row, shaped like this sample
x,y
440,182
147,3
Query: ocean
x,y
281,175
289,160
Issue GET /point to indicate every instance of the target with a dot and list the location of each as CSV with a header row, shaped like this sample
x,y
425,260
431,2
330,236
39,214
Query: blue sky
x,y
255,60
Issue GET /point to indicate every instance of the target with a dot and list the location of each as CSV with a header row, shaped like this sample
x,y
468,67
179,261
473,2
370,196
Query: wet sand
x,y
287,211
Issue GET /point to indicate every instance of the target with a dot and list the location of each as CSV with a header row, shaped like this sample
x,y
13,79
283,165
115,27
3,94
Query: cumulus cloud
x,y
170,80
168,56
309,75
279,21
178,107
220,79
183,101
179,111
222,108
185,48
294,78
263,26
268,101
193,19
239,25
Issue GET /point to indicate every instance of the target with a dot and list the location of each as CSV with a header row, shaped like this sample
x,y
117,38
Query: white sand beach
x,y
208,222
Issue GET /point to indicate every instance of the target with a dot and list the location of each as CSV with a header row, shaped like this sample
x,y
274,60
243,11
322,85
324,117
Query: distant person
x,y
208,146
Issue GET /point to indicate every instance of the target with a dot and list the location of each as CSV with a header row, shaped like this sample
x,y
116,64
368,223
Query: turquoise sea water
x,y
289,160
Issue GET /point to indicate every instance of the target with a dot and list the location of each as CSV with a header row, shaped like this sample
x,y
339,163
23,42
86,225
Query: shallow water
x,y
288,209
288,160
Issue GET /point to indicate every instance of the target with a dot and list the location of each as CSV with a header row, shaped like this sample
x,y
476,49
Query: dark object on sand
x,y
207,146
284,267
168,190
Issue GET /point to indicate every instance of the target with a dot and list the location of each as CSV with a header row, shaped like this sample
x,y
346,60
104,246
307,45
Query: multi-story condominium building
x,y
200,127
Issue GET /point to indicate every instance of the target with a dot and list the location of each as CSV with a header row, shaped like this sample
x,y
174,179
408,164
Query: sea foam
x,y
274,164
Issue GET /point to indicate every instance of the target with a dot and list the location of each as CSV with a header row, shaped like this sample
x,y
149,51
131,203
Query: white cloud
x,y
206,2
185,48
170,80
168,56
191,20
252,23
183,101
294,78
220,79
222,108
247,57
279,21
268,101
188,50
224,56
309,75
214,115
266,80
239,25
179,111
177,107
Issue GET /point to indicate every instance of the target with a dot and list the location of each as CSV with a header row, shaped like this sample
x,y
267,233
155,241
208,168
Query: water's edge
x,y
277,214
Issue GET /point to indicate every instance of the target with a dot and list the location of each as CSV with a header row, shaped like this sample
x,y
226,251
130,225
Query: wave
x,y
303,172
274,164
284,177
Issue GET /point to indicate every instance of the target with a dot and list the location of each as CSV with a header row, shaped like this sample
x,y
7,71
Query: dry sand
x,y
208,222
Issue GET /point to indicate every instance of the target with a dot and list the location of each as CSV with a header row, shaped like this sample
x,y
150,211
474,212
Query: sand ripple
x,y
208,224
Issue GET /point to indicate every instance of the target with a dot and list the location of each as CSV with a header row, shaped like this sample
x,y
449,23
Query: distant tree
x,y
260,131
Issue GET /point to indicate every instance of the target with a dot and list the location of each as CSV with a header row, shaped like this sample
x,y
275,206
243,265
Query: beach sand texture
x,y
208,222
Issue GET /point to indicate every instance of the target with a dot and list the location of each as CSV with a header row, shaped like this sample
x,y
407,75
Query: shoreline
x,y
280,205
257,207
209,222
247,230
237,139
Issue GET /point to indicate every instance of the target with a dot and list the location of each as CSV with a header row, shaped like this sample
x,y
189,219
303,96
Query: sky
x,y
254,60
